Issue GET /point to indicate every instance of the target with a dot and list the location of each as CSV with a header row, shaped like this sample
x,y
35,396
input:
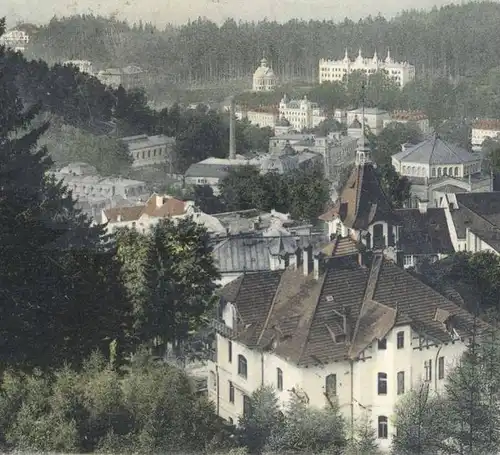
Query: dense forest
x,y
453,40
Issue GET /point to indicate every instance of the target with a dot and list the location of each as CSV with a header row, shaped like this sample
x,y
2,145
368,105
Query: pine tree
x,y
364,439
60,296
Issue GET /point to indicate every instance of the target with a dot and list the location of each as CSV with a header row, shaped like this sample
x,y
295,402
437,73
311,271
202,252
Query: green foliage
x,y
262,420
67,144
420,418
396,187
389,141
57,269
364,439
476,276
150,408
169,274
302,193
308,430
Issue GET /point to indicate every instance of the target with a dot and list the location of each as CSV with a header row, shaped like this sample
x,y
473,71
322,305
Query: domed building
x,y
264,79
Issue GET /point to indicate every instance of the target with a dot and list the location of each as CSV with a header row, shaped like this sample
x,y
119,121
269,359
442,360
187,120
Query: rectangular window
x,y
441,368
382,383
279,379
382,344
230,351
331,385
400,340
382,427
401,383
231,392
246,405
428,370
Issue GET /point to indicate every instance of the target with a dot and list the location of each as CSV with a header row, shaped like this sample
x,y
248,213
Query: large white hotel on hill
x,y
337,70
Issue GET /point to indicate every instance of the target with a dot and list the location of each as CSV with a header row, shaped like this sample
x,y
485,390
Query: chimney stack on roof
x,y
422,207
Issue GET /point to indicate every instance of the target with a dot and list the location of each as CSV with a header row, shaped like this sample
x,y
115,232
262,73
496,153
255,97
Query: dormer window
x,y
382,344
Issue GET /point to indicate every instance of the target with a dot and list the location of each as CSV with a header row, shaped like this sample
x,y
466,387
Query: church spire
x,y
363,152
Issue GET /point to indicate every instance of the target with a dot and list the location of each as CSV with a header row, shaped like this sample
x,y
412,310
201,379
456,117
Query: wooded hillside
x,y
461,40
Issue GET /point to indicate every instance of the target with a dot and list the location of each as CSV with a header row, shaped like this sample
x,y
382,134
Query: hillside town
x,y
298,265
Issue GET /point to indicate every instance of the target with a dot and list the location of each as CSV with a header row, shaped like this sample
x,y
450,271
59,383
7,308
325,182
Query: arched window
x,y
382,427
413,170
445,171
439,172
382,383
242,366
279,379
434,172
456,171
450,171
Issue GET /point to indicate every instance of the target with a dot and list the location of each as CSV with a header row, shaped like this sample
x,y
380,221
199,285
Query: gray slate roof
x,y
302,316
424,233
477,211
435,151
207,170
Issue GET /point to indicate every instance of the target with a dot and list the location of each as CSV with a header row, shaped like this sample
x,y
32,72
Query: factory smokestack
x,y
232,132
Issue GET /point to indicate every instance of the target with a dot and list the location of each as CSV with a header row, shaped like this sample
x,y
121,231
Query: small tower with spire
x,y
388,59
363,151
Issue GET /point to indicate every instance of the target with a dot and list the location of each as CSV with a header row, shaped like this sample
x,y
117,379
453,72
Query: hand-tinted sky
x,y
179,11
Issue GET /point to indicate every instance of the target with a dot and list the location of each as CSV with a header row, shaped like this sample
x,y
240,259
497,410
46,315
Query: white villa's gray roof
x,y
435,151
143,141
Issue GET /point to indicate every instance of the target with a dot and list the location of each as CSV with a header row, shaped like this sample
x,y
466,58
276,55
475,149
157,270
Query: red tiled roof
x,y
487,124
169,207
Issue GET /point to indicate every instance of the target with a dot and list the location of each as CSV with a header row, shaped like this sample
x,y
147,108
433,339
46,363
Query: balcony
x,y
221,328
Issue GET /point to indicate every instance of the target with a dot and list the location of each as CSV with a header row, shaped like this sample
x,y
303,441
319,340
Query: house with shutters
x,y
337,323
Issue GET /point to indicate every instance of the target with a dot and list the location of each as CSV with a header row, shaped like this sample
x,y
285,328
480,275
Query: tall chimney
x,y
232,133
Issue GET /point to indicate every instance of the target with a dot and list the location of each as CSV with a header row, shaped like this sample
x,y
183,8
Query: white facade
x,y
15,39
482,130
84,66
264,79
339,70
301,113
374,119
357,383
262,118
144,217
149,150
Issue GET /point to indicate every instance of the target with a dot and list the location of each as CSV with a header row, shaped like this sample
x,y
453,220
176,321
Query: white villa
x,y
374,118
339,70
264,79
143,217
482,130
436,167
15,39
301,113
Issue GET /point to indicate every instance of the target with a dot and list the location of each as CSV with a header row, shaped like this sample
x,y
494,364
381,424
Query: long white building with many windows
x,y
338,70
